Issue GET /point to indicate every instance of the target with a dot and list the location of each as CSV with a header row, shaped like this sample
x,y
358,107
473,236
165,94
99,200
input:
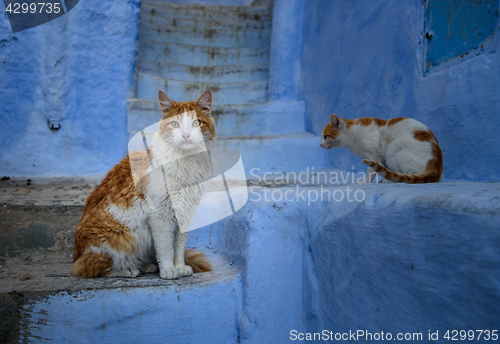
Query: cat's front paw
x,y
169,273
185,270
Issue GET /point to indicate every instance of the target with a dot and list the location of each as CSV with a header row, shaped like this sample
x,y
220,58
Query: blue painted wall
x,y
408,260
358,59
365,58
77,70
405,259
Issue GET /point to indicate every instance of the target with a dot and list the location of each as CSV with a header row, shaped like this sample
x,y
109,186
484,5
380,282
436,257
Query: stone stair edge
x,y
141,104
230,66
207,67
138,104
182,28
154,102
54,277
205,47
214,37
215,16
214,8
222,21
143,66
298,136
215,84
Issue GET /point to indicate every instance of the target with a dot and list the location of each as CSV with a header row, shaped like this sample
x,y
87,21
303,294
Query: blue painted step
x,y
198,309
224,38
266,119
232,121
228,93
200,56
199,23
278,153
231,13
214,74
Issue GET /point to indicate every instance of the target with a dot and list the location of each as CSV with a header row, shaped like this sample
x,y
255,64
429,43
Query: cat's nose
x,y
186,136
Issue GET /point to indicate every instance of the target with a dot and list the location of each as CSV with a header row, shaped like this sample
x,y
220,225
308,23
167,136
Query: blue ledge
x,y
407,258
401,259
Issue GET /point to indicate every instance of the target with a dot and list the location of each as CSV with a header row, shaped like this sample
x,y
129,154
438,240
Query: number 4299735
x,y
33,7
471,335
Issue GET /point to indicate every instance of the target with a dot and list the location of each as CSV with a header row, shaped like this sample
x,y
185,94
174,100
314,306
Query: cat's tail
x,y
431,174
92,265
197,261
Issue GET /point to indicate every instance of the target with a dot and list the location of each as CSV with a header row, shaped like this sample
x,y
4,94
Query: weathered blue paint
x,y
454,28
406,259
175,314
286,42
23,20
364,59
76,71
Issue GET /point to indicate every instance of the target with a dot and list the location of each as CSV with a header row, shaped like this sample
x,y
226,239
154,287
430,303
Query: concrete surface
x,y
37,225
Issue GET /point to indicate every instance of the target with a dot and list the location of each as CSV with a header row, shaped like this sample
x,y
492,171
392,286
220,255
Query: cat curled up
x,y
128,228
402,149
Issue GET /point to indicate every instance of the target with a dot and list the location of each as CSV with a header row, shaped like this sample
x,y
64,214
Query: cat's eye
x,y
324,136
174,124
205,109
196,123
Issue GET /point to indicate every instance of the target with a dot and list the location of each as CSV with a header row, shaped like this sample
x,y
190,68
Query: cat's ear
x,y
166,103
205,102
335,121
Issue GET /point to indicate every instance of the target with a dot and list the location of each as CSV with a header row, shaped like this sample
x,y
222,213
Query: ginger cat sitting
x,y
129,228
402,149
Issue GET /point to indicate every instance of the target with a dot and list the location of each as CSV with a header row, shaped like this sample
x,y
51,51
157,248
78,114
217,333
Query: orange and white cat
x,y
128,228
402,149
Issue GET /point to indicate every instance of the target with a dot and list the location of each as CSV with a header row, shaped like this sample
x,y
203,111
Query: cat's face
x,y
182,131
187,125
331,136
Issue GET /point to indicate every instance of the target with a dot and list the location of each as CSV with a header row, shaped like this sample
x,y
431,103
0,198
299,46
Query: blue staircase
x,y
185,49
